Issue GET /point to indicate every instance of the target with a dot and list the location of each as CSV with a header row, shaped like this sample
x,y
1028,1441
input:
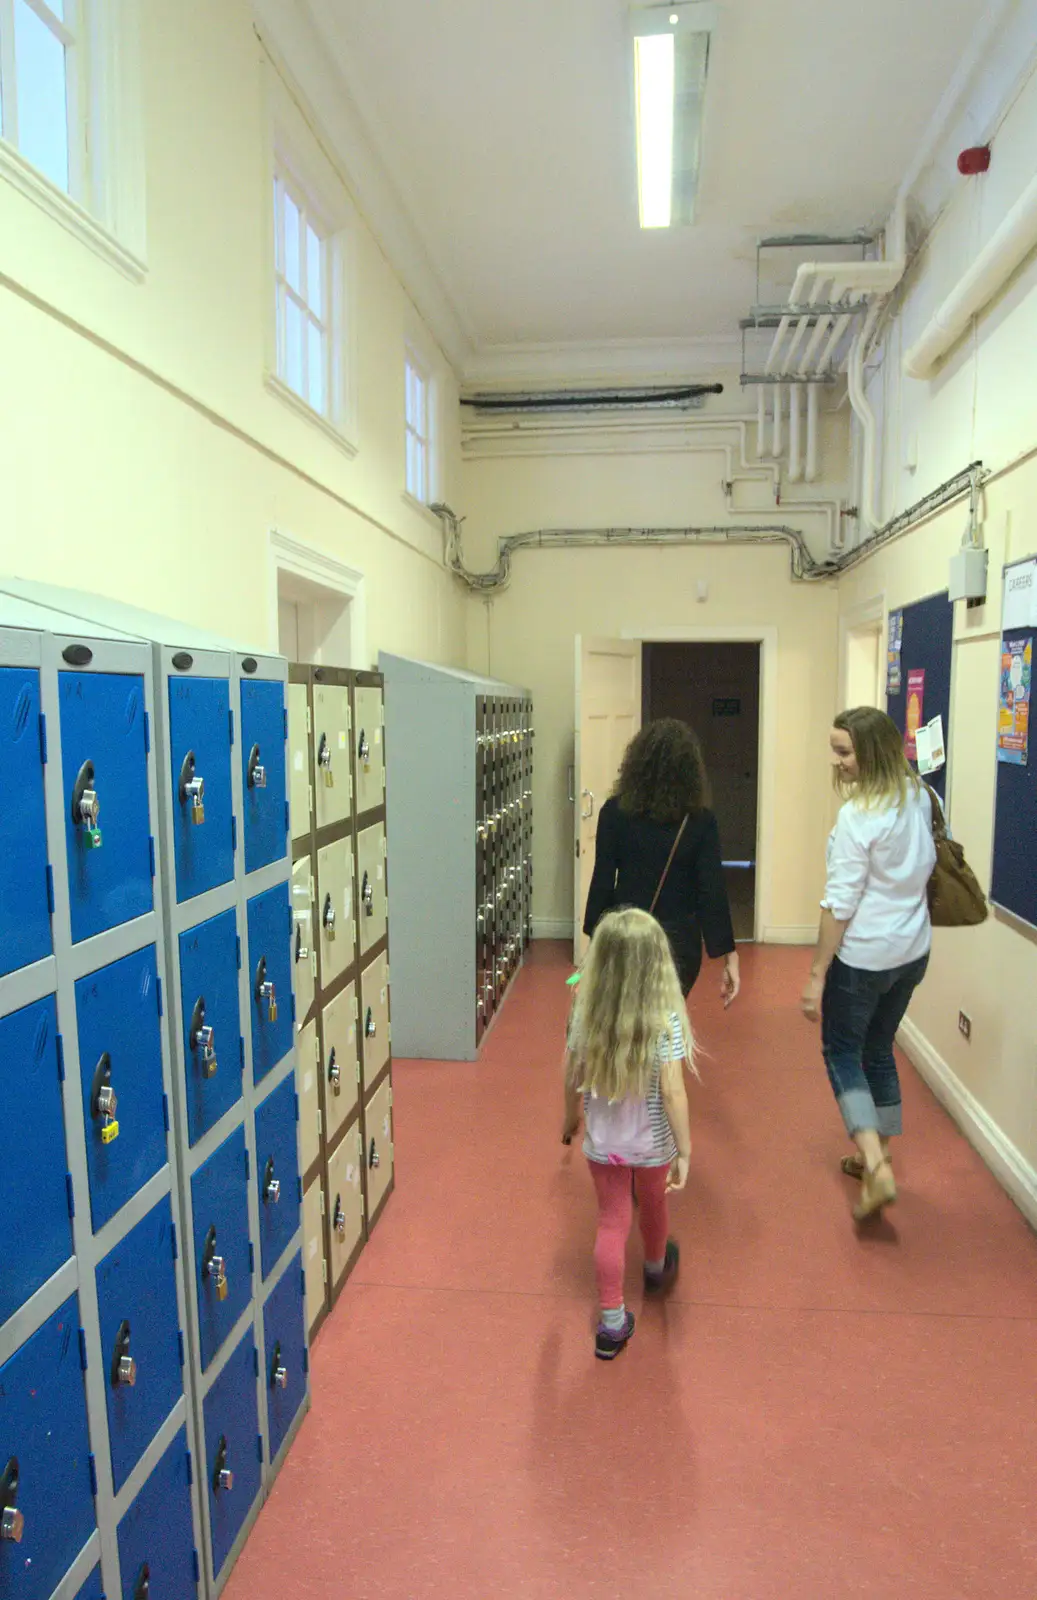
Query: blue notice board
x,y
928,646
1013,878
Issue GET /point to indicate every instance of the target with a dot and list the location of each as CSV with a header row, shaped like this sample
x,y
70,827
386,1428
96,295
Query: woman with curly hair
x,y
658,809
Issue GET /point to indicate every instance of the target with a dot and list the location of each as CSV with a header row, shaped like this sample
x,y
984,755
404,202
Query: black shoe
x,y
608,1345
659,1282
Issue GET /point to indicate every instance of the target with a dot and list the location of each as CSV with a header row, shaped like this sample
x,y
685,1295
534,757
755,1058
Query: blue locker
x,y
199,754
209,999
277,1173
104,756
24,900
270,977
156,1535
120,1050
45,1458
264,780
219,1198
232,1446
34,1193
93,1589
285,1370
136,1296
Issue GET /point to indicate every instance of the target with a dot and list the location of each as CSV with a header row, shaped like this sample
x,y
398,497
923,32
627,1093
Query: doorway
x,y
862,656
313,622
715,689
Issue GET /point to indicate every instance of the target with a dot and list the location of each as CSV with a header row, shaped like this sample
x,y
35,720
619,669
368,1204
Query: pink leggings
x,y
615,1213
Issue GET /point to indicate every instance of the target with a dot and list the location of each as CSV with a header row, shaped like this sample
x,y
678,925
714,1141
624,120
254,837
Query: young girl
x,y
628,1042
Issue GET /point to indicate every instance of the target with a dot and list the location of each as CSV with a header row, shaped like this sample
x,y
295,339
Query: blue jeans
x,y
860,1015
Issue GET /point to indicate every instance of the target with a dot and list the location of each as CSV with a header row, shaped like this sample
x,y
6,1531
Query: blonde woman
x,y
629,1040
873,945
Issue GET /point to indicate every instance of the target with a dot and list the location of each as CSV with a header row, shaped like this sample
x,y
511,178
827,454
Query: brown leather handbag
x,y
955,897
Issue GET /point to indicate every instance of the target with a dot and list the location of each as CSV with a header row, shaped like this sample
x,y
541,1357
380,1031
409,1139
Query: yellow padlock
x,y
221,1288
273,1011
109,1132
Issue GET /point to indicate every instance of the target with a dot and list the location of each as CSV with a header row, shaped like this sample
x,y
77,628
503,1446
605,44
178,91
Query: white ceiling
x,y
507,131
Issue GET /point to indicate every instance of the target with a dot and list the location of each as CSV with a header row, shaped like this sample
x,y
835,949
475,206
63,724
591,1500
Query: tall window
x,y
303,298
42,97
417,432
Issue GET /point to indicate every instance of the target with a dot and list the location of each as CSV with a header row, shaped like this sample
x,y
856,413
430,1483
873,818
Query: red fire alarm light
x,y
976,159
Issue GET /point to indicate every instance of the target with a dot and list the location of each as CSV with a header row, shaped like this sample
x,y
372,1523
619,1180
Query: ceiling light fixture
x,y
671,56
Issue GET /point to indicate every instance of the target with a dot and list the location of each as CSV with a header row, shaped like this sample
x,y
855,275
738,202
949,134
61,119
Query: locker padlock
x,y
324,761
364,751
302,951
213,1266
328,917
373,1158
278,1372
256,772
271,1185
367,895
334,1073
202,1040
86,806
264,991
339,1219
222,1477
12,1522
103,1100
192,788
124,1368
370,1026
142,1587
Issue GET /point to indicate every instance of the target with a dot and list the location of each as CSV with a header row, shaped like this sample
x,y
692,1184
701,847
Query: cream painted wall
x,y
140,452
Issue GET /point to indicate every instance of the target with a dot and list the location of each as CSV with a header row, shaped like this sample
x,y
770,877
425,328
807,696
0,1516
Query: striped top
x,y
635,1132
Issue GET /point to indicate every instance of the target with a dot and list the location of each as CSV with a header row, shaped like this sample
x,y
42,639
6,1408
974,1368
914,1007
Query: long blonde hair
x,y
628,993
884,774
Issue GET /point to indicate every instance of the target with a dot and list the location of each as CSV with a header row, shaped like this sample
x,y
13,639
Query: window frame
x,y
422,434
311,219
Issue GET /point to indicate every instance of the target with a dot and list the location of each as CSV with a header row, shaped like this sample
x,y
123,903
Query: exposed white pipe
x,y
795,418
869,517
840,327
1007,247
813,402
777,440
761,420
823,324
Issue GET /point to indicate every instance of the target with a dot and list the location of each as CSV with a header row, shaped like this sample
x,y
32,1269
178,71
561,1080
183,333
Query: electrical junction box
x,y
968,575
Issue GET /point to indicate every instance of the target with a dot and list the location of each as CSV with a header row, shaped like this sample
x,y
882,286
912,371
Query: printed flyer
x,y
915,702
1013,719
894,646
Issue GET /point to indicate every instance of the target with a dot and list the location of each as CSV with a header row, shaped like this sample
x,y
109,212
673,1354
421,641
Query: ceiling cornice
x,y
608,361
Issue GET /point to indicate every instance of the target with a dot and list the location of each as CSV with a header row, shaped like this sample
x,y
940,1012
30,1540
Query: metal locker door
x,y
264,733
93,1589
156,1534
107,827
313,1236
44,1458
213,1050
140,1337
341,1060
370,752
222,1251
335,909
232,1449
374,1016
34,1196
370,866
299,758
333,784
378,1147
199,755
270,931
24,903
307,1056
304,948
345,1202
120,1064
277,1173
284,1334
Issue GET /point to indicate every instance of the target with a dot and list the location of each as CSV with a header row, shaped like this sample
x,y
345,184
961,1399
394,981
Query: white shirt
x,y
879,865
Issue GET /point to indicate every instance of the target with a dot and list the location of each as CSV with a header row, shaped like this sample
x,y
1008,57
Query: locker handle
x,y
278,1371
213,1266
373,1158
256,774
302,951
86,807
12,1521
339,1219
271,1185
103,1100
264,990
202,1039
222,1476
124,1367
334,1072
367,895
370,1026
586,815
142,1587
328,917
324,761
192,788
363,750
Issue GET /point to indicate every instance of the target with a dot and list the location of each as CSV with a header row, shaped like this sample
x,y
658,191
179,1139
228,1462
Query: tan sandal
x,y
853,1166
878,1189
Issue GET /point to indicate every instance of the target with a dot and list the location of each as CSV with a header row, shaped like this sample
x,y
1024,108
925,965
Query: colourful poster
x,y
915,702
894,646
1013,718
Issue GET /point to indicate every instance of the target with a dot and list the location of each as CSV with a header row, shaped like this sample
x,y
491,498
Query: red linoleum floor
x,y
814,1413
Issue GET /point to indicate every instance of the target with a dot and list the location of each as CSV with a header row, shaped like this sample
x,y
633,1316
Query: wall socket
x,y
964,1025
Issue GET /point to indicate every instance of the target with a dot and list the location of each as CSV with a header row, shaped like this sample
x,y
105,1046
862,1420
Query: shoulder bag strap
x,y
666,869
939,821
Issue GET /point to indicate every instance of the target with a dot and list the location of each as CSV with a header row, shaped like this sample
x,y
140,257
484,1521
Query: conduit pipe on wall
x,y
869,516
777,440
1003,252
761,421
813,407
795,428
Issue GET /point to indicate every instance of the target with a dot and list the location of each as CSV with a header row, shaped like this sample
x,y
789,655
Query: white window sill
x,y
423,509
73,217
296,403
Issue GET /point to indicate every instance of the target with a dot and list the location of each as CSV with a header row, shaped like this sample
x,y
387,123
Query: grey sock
x,y
615,1321
656,1268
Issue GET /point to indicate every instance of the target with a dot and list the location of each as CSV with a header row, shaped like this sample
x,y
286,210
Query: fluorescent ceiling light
x,y
671,56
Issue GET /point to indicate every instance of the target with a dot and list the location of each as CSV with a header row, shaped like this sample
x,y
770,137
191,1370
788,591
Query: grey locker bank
x,y
459,794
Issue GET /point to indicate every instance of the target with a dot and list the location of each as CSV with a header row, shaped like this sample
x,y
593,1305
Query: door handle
x,y
585,816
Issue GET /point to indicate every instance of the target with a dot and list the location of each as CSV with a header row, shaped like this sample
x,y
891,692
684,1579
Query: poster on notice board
x,y
1013,717
915,705
894,647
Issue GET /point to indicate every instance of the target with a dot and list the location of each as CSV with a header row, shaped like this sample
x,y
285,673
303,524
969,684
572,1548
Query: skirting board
x,y
562,928
1012,1171
553,928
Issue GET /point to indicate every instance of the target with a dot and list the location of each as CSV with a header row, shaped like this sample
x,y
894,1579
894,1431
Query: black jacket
x,y
631,853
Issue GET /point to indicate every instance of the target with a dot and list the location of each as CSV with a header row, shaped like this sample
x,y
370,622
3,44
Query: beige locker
x,y
370,751
378,1146
341,1062
332,779
299,759
313,1250
370,872
374,1018
335,909
345,1202
304,952
307,1071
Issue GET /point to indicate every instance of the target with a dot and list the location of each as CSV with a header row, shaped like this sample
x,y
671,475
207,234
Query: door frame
x,y
288,554
863,618
767,759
